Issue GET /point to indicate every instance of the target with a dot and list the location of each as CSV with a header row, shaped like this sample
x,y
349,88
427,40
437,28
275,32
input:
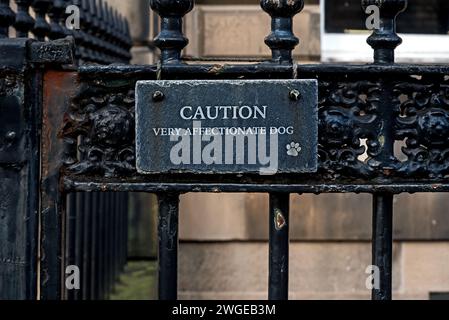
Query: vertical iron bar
x,y
111,240
279,246
118,239
168,246
81,37
171,39
79,239
94,247
41,27
108,34
125,230
383,244
34,108
7,17
71,237
128,41
95,25
105,269
98,285
125,226
56,11
87,246
121,231
87,28
384,41
102,24
281,40
114,239
63,18
107,238
24,22
102,244
110,243
72,233
125,244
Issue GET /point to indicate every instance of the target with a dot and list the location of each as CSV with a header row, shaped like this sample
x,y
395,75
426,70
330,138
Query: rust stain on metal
x,y
216,69
279,221
58,85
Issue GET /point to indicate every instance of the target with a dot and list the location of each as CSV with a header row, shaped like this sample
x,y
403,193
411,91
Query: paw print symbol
x,y
293,149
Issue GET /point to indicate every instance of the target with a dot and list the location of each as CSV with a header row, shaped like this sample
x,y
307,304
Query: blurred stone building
x,y
224,249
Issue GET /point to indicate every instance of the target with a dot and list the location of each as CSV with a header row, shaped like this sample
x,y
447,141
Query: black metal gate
x,y
72,129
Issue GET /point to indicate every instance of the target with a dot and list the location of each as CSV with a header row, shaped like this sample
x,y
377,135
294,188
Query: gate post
x,y
19,173
20,159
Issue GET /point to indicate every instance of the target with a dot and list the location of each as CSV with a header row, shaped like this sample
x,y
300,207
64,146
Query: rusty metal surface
x,y
58,88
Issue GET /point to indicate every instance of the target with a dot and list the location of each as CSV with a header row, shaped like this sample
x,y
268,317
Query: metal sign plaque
x,y
227,127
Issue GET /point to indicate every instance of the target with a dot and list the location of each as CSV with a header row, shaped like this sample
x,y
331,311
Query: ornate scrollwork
x,y
101,124
357,115
7,85
346,117
423,124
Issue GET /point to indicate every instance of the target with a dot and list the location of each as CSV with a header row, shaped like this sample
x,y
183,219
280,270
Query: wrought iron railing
x,y
94,224
101,34
89,142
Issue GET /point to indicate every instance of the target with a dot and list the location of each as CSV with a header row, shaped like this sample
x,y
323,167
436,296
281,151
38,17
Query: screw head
x,y
158,96
10,136
295,95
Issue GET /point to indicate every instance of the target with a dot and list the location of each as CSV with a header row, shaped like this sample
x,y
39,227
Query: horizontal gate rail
x,y
80,184
253,71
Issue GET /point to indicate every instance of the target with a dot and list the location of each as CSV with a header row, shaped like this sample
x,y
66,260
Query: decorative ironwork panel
x,y
101,128
347,117
422,122
352,121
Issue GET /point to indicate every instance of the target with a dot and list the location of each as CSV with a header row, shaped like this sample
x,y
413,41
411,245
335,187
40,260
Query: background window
x,y
421,17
